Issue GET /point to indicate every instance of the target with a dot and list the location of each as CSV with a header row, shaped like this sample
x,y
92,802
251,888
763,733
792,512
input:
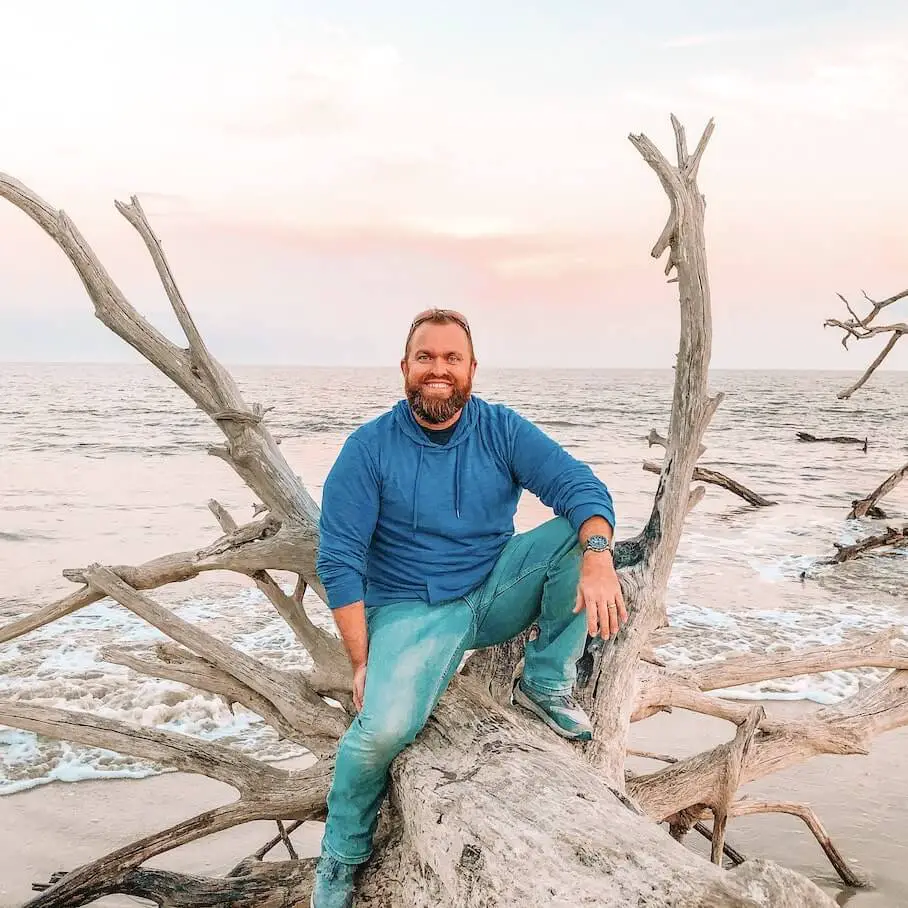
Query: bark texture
x,y
487,808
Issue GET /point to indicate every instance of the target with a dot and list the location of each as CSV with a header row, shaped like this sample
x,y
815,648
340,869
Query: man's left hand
x,y
599,592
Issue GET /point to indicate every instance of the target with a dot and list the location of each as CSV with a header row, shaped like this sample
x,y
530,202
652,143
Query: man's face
x,y
438,371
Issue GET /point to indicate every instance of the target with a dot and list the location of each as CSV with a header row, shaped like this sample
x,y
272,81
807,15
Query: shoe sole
x,y
521,699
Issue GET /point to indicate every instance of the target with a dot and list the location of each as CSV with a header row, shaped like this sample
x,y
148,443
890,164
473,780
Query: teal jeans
x,y
416,648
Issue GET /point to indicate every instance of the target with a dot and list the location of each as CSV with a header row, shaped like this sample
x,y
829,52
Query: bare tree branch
x,y
859,328
867,505
893,537
714,477
295,700
254,546
747,807
644,586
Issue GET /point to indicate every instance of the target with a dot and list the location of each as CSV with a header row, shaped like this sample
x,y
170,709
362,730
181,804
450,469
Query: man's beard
x,y
437,410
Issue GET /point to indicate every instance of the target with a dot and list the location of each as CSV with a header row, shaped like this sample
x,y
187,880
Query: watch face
x,y
597,543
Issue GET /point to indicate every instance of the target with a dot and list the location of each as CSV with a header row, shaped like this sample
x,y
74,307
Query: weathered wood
x,y
487,807
846,728
833,439
327,651
260,545
714,477
860,329
892,538
866,507
748,807
260,885
301,706
644,585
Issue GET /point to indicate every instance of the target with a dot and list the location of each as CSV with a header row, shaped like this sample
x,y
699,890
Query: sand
x,y
863,802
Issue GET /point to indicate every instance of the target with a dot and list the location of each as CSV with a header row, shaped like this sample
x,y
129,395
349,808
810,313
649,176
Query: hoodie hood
x,y
406,421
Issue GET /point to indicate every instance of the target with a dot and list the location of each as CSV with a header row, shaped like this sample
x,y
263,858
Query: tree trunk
x,y
487,808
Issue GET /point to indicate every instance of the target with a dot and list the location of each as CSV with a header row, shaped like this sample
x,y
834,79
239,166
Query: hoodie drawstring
x,y
416,490
457,481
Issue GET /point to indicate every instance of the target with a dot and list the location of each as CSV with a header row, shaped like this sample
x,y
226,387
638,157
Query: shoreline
x,y
62,825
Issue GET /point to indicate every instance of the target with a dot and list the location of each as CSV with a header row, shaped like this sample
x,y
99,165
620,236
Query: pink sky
x,y
318,175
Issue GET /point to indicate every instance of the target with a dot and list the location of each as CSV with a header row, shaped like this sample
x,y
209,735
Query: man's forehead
x,y
448,337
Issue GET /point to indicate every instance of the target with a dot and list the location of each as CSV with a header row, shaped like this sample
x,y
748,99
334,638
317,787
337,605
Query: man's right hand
x,y
359,686
351,622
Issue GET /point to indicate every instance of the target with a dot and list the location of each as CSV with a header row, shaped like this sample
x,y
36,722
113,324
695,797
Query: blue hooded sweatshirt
x,y
405,518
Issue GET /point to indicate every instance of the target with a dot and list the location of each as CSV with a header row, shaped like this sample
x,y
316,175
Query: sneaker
x,y
333,887
563,714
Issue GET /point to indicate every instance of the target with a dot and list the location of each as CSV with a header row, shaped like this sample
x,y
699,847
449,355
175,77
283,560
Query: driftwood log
x,y
894,537
487,808
834,439
708,475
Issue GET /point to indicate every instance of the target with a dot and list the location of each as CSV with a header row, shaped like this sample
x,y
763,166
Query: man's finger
x,y
592,617
602,610
578,602
622,609
613,618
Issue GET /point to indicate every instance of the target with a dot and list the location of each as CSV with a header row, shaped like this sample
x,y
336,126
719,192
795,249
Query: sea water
x,y
108,463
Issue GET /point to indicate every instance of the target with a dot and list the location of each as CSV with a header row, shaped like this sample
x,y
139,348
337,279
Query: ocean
x,y
108,463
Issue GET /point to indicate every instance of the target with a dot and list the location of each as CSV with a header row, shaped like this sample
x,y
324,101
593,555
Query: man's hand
x,y
599,592
359,686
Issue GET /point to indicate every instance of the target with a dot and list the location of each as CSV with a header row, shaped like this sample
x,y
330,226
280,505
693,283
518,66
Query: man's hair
x,y
440,317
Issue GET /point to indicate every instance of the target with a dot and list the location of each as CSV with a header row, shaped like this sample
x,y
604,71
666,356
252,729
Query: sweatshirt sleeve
x,y
350,502
563,483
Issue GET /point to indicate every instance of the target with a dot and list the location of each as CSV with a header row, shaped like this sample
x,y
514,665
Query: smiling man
x,y
420,562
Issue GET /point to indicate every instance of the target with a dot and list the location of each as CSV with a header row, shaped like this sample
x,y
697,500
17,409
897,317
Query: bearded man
x,y
420,563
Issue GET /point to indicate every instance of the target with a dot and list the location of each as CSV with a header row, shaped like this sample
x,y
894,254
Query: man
x,y
420,563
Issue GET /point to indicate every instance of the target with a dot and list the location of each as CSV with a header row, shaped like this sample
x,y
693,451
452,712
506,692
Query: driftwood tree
x,y
487,807
857,328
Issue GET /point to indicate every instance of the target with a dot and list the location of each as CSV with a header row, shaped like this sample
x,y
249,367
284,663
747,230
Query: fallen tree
x,y
487,807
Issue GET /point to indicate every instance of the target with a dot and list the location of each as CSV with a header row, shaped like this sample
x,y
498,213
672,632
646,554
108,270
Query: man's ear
x,y
473,369
403,367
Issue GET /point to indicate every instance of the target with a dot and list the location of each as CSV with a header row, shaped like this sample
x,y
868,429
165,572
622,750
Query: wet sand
x,y
863,801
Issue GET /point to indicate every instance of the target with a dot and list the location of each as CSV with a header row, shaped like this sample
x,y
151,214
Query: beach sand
x,y
862,800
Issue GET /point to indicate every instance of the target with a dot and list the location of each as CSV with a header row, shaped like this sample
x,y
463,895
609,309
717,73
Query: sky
x,y
319,172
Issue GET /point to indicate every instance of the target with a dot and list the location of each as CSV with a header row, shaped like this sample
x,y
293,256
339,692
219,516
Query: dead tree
x,y
487,807
859,328
864,328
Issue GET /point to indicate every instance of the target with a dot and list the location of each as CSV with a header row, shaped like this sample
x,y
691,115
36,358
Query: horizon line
x,y
544,368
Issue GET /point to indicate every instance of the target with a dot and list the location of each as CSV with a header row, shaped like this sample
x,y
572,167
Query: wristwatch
x,y
597,544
